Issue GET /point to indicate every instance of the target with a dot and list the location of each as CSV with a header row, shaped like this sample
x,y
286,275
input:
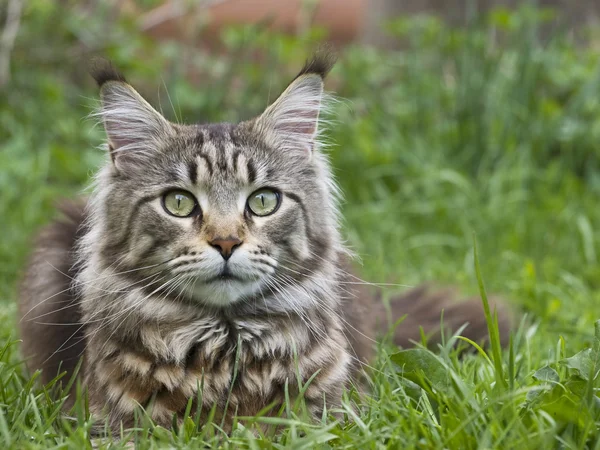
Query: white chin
x,y
223,293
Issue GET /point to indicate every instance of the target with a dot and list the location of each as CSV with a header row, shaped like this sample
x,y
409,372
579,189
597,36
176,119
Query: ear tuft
x,y
292,121
320,63
133,127
103,71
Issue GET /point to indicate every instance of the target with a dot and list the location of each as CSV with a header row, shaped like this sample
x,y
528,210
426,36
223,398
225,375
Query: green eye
x,y
263,202
179,203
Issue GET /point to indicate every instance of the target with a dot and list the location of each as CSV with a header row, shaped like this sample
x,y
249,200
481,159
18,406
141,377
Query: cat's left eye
x,y
263,202
179,203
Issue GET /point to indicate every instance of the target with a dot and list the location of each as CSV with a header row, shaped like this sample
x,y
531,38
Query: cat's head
x,y
221,213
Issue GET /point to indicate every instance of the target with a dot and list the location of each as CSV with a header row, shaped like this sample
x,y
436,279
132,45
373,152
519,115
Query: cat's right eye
x,y
179,203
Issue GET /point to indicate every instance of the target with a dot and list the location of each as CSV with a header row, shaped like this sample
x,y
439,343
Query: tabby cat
x,y
210,255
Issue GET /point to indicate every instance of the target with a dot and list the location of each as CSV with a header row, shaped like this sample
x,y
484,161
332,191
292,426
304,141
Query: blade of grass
x,y
492,321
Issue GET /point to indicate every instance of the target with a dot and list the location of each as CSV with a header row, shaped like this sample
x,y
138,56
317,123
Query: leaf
x,y
161,434
582,363
561,404
567,408
536,394
577,386
418,364
547,374
189,429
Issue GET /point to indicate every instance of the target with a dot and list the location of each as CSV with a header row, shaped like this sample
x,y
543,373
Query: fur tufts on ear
x,y
103,71
132,126
291,122
320,63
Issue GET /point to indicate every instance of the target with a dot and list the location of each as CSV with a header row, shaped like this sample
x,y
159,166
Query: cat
x,y
210,255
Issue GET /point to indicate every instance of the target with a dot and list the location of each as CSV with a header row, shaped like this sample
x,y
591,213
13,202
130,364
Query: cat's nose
x,y
226,246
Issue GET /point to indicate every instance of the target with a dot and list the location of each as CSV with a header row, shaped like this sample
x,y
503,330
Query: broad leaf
x,y
581,363
418,364
547,374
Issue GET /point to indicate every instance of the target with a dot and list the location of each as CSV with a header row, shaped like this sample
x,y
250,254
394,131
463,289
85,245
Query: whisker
x,y
338,316
128,311
62,346
359,282
77,302
78,283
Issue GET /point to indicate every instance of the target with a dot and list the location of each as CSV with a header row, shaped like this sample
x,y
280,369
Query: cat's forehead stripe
x,y
193,171
199,139
204,167
251,171
222,152
240,165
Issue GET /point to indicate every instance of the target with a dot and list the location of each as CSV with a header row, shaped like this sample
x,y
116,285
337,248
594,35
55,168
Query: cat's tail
x,y
430,308
50,323
425,309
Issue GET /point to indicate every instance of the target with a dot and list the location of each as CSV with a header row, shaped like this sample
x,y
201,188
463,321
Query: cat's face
x,y
217,213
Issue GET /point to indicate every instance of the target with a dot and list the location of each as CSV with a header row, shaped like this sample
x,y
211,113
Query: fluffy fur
x,y
155,309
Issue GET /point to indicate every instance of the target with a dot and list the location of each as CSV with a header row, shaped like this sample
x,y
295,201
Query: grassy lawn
x,y
486,131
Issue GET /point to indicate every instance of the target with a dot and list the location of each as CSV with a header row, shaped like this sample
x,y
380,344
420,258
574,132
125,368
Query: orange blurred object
x,y
173,19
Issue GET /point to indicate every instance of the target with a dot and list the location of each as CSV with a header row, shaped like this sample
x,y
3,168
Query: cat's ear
x,y
132,126
292,121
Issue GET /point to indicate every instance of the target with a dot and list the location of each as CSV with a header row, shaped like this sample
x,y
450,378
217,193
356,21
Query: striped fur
x,y
149,306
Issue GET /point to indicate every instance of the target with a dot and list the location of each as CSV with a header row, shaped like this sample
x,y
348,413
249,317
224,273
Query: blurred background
x,y
455,118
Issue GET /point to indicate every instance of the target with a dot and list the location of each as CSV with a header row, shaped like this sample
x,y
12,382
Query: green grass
x,y
486,130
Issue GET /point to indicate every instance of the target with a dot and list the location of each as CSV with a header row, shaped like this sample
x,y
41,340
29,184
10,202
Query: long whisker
x,y
338,316
85,283
62,346
77,302
126,312
358,282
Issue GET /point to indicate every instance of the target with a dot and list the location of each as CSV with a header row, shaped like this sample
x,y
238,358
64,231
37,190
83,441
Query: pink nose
x,y
226,246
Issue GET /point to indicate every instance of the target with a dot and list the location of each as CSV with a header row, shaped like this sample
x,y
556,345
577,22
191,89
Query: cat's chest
x,y
244,364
